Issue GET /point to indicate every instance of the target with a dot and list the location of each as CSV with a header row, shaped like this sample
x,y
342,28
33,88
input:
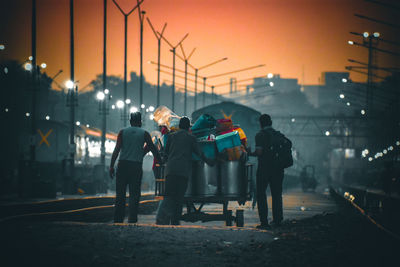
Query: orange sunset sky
x,y
285,35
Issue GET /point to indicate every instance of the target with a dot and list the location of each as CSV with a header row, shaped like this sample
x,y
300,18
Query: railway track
x,y
385,219
86,209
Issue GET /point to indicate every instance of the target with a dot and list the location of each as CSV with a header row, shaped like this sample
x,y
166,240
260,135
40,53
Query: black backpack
x,y
281,148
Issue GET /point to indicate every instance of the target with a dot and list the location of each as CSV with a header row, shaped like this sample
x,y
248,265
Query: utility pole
x,y
34,85
158,57
185,59
173,50
103,104
141,14
126,54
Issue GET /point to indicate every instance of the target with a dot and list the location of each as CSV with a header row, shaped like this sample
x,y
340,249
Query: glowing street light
x,y
270,75
370,159
344,80
112,106
28,66
293,119
341,96
348,104
142,106
151,117
100,96
350,42
327,133
271,84
43,65
30,58
47,117
151,108
2,47
366,34
133,109
362,112
69,84
120,104
27,114
127,101
106,91
377,34
78,123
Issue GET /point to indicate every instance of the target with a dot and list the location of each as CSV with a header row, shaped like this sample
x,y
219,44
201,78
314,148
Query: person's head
x,y
184,123
136,119
265,120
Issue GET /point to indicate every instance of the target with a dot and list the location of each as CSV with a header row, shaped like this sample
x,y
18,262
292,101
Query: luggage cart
x,y
227,181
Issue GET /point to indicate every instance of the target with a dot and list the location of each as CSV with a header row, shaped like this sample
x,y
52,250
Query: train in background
x,y
51,168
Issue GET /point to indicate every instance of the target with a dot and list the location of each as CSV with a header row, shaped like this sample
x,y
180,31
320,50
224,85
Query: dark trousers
x,y
170,208
129,174
274,178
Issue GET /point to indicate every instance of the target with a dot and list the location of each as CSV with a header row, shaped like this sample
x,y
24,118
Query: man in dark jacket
x,y
178,150
130,143
268,173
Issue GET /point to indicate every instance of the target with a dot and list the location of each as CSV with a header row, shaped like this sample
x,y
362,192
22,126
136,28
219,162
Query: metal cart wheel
x,y
228,218
239,218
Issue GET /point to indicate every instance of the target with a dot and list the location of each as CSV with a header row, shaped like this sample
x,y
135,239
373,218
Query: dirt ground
x,y
334,239
339,238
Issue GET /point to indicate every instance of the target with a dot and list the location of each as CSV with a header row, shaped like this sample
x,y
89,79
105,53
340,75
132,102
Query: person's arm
x,y
259,146
115,154
152,147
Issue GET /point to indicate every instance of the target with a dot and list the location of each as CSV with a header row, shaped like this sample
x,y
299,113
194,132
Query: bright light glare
x,y
348,103
133,109
100,96
5,70
113,106
30,58
397,143
28,66
293,119
6,110
120,104
362,112
2,47
69,84
78,123
385,151
142,105
366,34
271,84
350,42
370,159
151,108
151,116
106,91
127,101
27,114
87,125
270,75
344,80
377,34
390,148
43,65
327,133
47,117
341,96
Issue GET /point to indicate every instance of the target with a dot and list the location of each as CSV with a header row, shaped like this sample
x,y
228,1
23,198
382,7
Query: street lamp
x,y
100,96
120,104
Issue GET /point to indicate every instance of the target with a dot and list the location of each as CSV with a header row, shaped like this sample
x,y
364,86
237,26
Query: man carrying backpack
x,y
273,150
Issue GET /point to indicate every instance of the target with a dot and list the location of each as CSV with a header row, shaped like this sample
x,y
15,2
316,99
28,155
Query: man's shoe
x,y
263,226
